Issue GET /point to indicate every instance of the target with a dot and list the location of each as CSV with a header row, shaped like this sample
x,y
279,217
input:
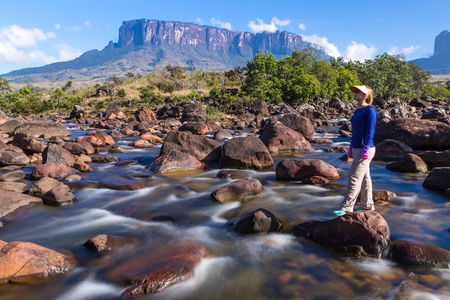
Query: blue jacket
x,y
363,127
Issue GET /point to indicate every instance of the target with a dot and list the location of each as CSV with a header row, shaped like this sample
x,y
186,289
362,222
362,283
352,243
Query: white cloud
x,y
57,26
359,52
87,24
406,51
330,48
20,45
199,21
221,24
51,35
302,26
272,27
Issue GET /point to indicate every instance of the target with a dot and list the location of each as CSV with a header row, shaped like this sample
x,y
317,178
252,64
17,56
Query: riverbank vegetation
x,y
300,78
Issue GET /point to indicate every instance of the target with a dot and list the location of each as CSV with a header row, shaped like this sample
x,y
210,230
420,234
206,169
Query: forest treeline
x,y
302,77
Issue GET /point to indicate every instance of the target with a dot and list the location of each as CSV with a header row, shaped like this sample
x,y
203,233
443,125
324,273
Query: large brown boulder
x,y
79,148
175,161
436,159
246,153
94,141
9,126
106,243
45,130
413,253
26,262
193,112
238,190
43,185
104,137
145,114
203,148
13,176
59,195
409,164
297,123
11,201
439,179
53,171
359,233
199,128
28,143
18,187
258,221
11,158
278,137
57,155
260,108
418,134
391,150
301,169
159,268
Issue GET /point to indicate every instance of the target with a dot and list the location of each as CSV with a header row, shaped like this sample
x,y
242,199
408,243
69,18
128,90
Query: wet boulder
x,y
18,187
79,148
104,159
414,253
199,128
202,148
25,262
40,129
258,221
359,233
278,137
106,243
417,134
238,190
9,126
53,171
436,159
411,163
57,155
246,153
10,158
439,179
94,141
28,143
223,134
297,123
104,137
11,201
322,141
43,185
175,161
391,150
15,175
156,269
301,169
59,195
113,111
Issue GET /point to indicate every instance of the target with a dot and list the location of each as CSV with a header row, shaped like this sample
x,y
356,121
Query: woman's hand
x,y
365,152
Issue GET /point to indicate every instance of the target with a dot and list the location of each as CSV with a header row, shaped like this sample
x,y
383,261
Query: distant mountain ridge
x,y
439,62
146,45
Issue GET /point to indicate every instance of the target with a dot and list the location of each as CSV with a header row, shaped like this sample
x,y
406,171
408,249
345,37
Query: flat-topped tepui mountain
x,y
439,62
146,45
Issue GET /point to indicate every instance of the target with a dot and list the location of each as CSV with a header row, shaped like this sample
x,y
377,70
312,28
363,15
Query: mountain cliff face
x,y
146,45
439,62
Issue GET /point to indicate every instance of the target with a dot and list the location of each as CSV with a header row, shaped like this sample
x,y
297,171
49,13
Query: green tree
x,y
4,86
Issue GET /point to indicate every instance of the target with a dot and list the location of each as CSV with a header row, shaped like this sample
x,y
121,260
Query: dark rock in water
x,y
79,148
18,187
360,233
297,123
53,171
336,150
77,112
57,155
45,130
25,262
106,243
233,174
193,112
246,153
316,180
28,143
159,268
409,164
223,134
322,141
71,178
238,190
260,108
278,137
11,201
258,221
104,159
413,253
199,128
9,158
59,195
174,161
115,134
382,195
11,125
201,147
439,179
104,137
391,150
43,185
436,159
13,176
127,162
300,169
418,134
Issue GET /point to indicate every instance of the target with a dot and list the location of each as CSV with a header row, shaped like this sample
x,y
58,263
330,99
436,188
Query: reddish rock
x,y
203,148
104,159
18,187
336,150
297,123
82,167
142,144
145,114
361,233
382,195
439,179
258,221
409,164
79,148
418,134
391,150
11,201
94,141
45,130
233,174
413,253
59,195
322,141
316,180
43,185
246,153
175,161
57,155
10,158
199,128
53,171
156,269
106,243
238,190
151,138
301,169
105,138
15,175
278,137
25,262
28,143
260,108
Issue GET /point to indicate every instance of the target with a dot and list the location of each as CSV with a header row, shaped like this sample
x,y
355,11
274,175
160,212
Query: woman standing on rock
x,y
362,150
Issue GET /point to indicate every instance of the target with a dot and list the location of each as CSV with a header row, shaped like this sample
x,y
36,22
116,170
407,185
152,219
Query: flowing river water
x,y
175,208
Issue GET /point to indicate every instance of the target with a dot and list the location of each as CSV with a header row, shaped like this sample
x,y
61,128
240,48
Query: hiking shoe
x,y
339,212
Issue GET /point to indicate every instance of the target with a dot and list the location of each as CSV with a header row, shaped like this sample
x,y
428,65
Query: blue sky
x,y
35,33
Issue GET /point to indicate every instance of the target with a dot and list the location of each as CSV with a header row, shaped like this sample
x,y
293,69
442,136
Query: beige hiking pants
x,y
359,182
